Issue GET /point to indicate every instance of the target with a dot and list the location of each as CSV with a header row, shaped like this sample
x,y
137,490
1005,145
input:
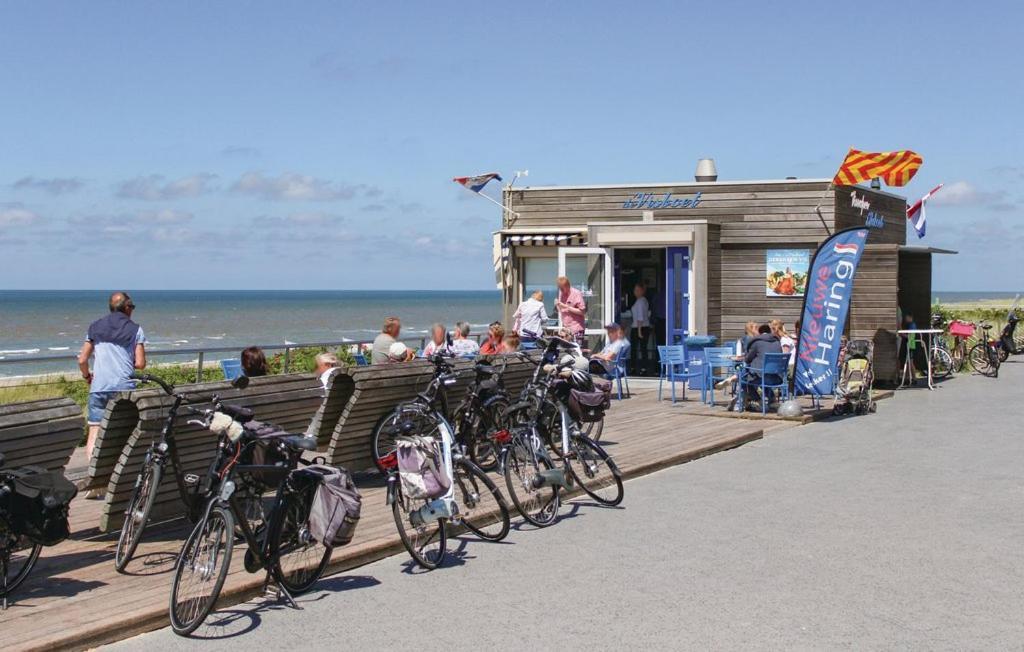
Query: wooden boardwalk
x,y
76,600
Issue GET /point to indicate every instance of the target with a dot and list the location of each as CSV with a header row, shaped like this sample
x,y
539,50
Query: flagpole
x,y
493,201
817,209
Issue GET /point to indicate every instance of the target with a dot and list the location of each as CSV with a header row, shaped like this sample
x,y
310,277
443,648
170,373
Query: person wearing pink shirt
x,y
571,308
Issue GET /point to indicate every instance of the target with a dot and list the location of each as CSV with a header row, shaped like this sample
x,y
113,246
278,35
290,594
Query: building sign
x,y
786,272
650,200
873,219
826,306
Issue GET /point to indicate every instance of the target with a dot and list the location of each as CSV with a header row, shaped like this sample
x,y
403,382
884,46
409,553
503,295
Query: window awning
x,y
543,239
920,249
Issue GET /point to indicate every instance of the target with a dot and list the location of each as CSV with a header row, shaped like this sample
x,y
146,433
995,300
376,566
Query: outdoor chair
x,y
673,366
719,365
360,359
617,370
776,368
232,369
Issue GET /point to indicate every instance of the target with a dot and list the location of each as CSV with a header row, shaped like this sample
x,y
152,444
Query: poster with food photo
x,y
786,272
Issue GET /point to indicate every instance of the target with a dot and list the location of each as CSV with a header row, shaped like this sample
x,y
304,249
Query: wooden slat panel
x,y
40,433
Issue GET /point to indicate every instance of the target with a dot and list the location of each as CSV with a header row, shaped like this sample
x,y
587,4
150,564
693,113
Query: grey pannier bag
x,y
336,506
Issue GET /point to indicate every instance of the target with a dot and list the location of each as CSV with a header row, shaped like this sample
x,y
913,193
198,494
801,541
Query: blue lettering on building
x,y
874,220
647,200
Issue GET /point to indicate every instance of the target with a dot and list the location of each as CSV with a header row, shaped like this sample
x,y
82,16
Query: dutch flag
x,y
477,183
915,213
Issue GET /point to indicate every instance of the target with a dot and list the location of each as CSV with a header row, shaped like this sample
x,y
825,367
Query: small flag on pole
x,y
895,168
915,213
477,183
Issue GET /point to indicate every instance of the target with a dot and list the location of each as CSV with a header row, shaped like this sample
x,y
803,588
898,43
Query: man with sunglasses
x,y
117,346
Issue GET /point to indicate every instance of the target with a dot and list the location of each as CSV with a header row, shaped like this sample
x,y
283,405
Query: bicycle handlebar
x,y
148,378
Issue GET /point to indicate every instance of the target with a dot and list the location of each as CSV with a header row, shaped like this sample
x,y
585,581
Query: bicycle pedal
x,y
191,479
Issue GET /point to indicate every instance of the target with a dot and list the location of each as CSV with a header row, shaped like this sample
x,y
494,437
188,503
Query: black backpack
x,y
39,505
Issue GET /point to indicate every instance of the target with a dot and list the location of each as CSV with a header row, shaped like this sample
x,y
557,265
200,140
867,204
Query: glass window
x,y
586,272
540,274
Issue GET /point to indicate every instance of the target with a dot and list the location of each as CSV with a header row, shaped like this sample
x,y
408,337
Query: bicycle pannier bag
x,y
336,506
39,505
588,406
420,467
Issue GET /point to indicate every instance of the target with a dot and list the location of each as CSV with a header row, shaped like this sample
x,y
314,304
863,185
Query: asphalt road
x,y
902,529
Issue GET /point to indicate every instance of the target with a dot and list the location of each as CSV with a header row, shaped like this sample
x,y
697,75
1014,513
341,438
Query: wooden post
x,y
199,368
287,359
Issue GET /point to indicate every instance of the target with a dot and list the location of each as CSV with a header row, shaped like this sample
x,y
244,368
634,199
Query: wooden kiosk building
x,y
704,251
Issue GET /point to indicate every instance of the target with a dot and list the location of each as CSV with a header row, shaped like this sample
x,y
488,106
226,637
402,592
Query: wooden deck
x,y
75,599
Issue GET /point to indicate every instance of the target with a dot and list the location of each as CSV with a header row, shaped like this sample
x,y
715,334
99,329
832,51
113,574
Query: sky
x,y
311,145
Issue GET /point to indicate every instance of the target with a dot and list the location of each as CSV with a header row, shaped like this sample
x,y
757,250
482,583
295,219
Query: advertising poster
x,y
786,272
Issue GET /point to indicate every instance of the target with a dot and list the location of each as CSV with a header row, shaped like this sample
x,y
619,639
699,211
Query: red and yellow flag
x,y
895,168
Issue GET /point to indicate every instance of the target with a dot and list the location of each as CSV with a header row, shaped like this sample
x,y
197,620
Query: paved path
x,y
900,530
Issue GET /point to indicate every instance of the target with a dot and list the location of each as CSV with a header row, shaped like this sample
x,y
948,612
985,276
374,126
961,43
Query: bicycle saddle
x,y
299,442
237,412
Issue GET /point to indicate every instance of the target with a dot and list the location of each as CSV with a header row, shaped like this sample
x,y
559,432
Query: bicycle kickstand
x,y
279,592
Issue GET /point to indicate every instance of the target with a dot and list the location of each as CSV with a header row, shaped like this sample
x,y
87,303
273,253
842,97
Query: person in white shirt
x,y
529,319
640,331
462,346
616,342
326,363
785,339
438,342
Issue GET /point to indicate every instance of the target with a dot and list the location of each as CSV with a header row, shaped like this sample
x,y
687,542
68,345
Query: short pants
x,y
98,405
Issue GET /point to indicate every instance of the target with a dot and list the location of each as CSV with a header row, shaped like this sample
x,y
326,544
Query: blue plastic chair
x,y
617,370
717,358
232,369
360,359
673,366
776,365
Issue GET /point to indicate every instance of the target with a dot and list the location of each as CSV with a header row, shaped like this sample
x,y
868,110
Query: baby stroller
x,y
853,392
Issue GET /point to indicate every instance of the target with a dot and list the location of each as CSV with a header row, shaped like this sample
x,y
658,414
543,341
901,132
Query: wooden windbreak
x,y
40,433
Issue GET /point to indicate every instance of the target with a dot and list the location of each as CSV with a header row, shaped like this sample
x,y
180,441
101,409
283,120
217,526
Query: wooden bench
x,y
377,389
40,433
289,401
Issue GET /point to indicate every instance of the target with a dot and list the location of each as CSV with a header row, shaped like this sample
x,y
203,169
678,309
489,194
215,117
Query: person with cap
x,y
399,352
117,346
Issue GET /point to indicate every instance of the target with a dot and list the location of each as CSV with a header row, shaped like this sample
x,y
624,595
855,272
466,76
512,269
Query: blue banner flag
x,y
826,304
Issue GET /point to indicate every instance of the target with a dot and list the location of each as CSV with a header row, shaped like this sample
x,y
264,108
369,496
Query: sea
x,y
54,322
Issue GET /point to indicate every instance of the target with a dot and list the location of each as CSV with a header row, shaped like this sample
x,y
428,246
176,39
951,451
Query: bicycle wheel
x,y
942,363
981,360
594,429
959,355
137,514
425,542
301,560
482,508
16,562
595,471
408,417
481,448
538,504
201,569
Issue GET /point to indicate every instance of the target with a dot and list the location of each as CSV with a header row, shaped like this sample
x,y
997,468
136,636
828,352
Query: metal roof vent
x,y
706,170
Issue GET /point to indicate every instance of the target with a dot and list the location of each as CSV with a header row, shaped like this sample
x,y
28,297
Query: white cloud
x,y
54,186
291,186
301,219
963,193
15,215
240,152
155,187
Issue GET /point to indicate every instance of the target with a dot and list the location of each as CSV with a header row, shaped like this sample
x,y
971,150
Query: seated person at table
x,y
765,342
616,343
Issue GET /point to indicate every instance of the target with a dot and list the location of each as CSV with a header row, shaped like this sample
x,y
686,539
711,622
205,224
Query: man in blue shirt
x,y
118,347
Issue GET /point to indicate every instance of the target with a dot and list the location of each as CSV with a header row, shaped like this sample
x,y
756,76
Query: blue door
x,y
677,292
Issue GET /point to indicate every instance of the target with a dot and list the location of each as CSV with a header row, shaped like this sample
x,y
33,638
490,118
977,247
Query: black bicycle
x,y
547,414
481,413
33,514
280,543
985,355
162,452
473,501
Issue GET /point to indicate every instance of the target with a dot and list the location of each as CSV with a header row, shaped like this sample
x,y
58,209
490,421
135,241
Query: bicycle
x,y
472,500
480,413
985,355
942,358
162,452
541,416
33,513
281,544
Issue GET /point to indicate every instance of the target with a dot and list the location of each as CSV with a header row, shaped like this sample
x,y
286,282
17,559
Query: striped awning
x,y
546,240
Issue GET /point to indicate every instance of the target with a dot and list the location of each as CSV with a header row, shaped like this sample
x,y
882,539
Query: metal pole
x,y
287,359
199,368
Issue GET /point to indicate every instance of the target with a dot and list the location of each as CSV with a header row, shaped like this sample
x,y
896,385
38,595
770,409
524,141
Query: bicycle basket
x,y
588,406
39,505
961,329
260,447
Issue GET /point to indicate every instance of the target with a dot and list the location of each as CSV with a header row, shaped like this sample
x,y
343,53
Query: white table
x,y
928,333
